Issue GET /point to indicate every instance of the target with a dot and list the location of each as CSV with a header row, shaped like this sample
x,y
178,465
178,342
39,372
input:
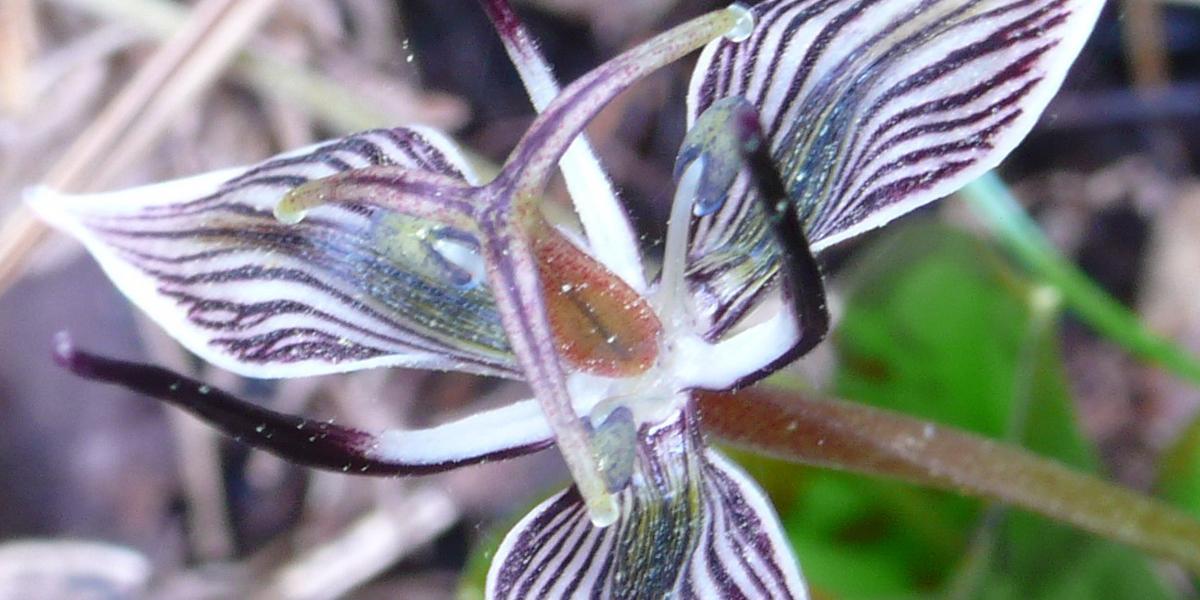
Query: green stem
x,y
859,438
991,199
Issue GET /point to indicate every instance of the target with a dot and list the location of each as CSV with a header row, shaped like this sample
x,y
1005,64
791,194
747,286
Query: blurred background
x,y
104,494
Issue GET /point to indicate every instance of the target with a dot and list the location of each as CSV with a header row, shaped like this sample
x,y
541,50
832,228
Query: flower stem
x,y
406,191
516,286
859,438
529,166
612,239
1002,213
506,214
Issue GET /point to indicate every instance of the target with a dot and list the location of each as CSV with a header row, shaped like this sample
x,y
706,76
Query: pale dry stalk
x,y
167,83
1145,43
18,39
367,547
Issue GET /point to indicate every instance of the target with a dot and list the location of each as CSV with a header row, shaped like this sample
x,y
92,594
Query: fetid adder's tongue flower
x,y
810,121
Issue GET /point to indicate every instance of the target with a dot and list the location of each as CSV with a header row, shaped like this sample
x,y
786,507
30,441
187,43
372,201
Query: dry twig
x,y
165,85
366,548
17,41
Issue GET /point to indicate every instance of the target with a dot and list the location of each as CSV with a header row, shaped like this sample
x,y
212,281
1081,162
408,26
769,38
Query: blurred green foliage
x,y
936,324
1179,475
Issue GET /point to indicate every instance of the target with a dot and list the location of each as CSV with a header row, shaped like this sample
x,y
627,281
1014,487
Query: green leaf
x,y
1179,473
473,579
936,325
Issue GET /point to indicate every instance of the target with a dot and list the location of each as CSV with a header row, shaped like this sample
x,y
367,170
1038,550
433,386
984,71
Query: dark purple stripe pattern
x,y
692,525
352,285
872,108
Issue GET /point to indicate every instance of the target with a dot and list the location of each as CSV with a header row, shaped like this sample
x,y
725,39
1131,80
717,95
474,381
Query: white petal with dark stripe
x,y
351,286
692,525
873,108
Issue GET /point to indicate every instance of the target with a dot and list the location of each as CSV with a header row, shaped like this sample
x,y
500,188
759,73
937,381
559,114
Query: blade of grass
x,y
399,525
177,72
868,440
18,37
1003,214
335,104
1145,43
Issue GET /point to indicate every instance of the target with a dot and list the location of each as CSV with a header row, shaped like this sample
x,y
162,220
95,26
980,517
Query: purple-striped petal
x,y
692,525
352,285
496,434
725,141
872,108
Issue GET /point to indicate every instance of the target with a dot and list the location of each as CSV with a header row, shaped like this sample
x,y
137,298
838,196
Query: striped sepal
x,y
692,526
349,287
873,108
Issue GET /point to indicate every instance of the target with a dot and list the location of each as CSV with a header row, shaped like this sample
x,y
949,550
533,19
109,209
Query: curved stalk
x,y
530,164
406,191
869,440
672,294
516,286
611,238
508,223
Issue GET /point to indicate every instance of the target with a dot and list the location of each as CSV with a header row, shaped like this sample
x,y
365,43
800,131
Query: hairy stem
x,y
516,286
878,442
407,191
529,166
505,212
612,239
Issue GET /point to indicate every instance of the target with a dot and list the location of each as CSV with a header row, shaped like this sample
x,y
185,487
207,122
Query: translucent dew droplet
x,y
289,212
614,443
743,26
461,259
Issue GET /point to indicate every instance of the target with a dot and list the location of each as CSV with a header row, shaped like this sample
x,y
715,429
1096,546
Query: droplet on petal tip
x,y
64,349
602,509
290,210
716,138
743,25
